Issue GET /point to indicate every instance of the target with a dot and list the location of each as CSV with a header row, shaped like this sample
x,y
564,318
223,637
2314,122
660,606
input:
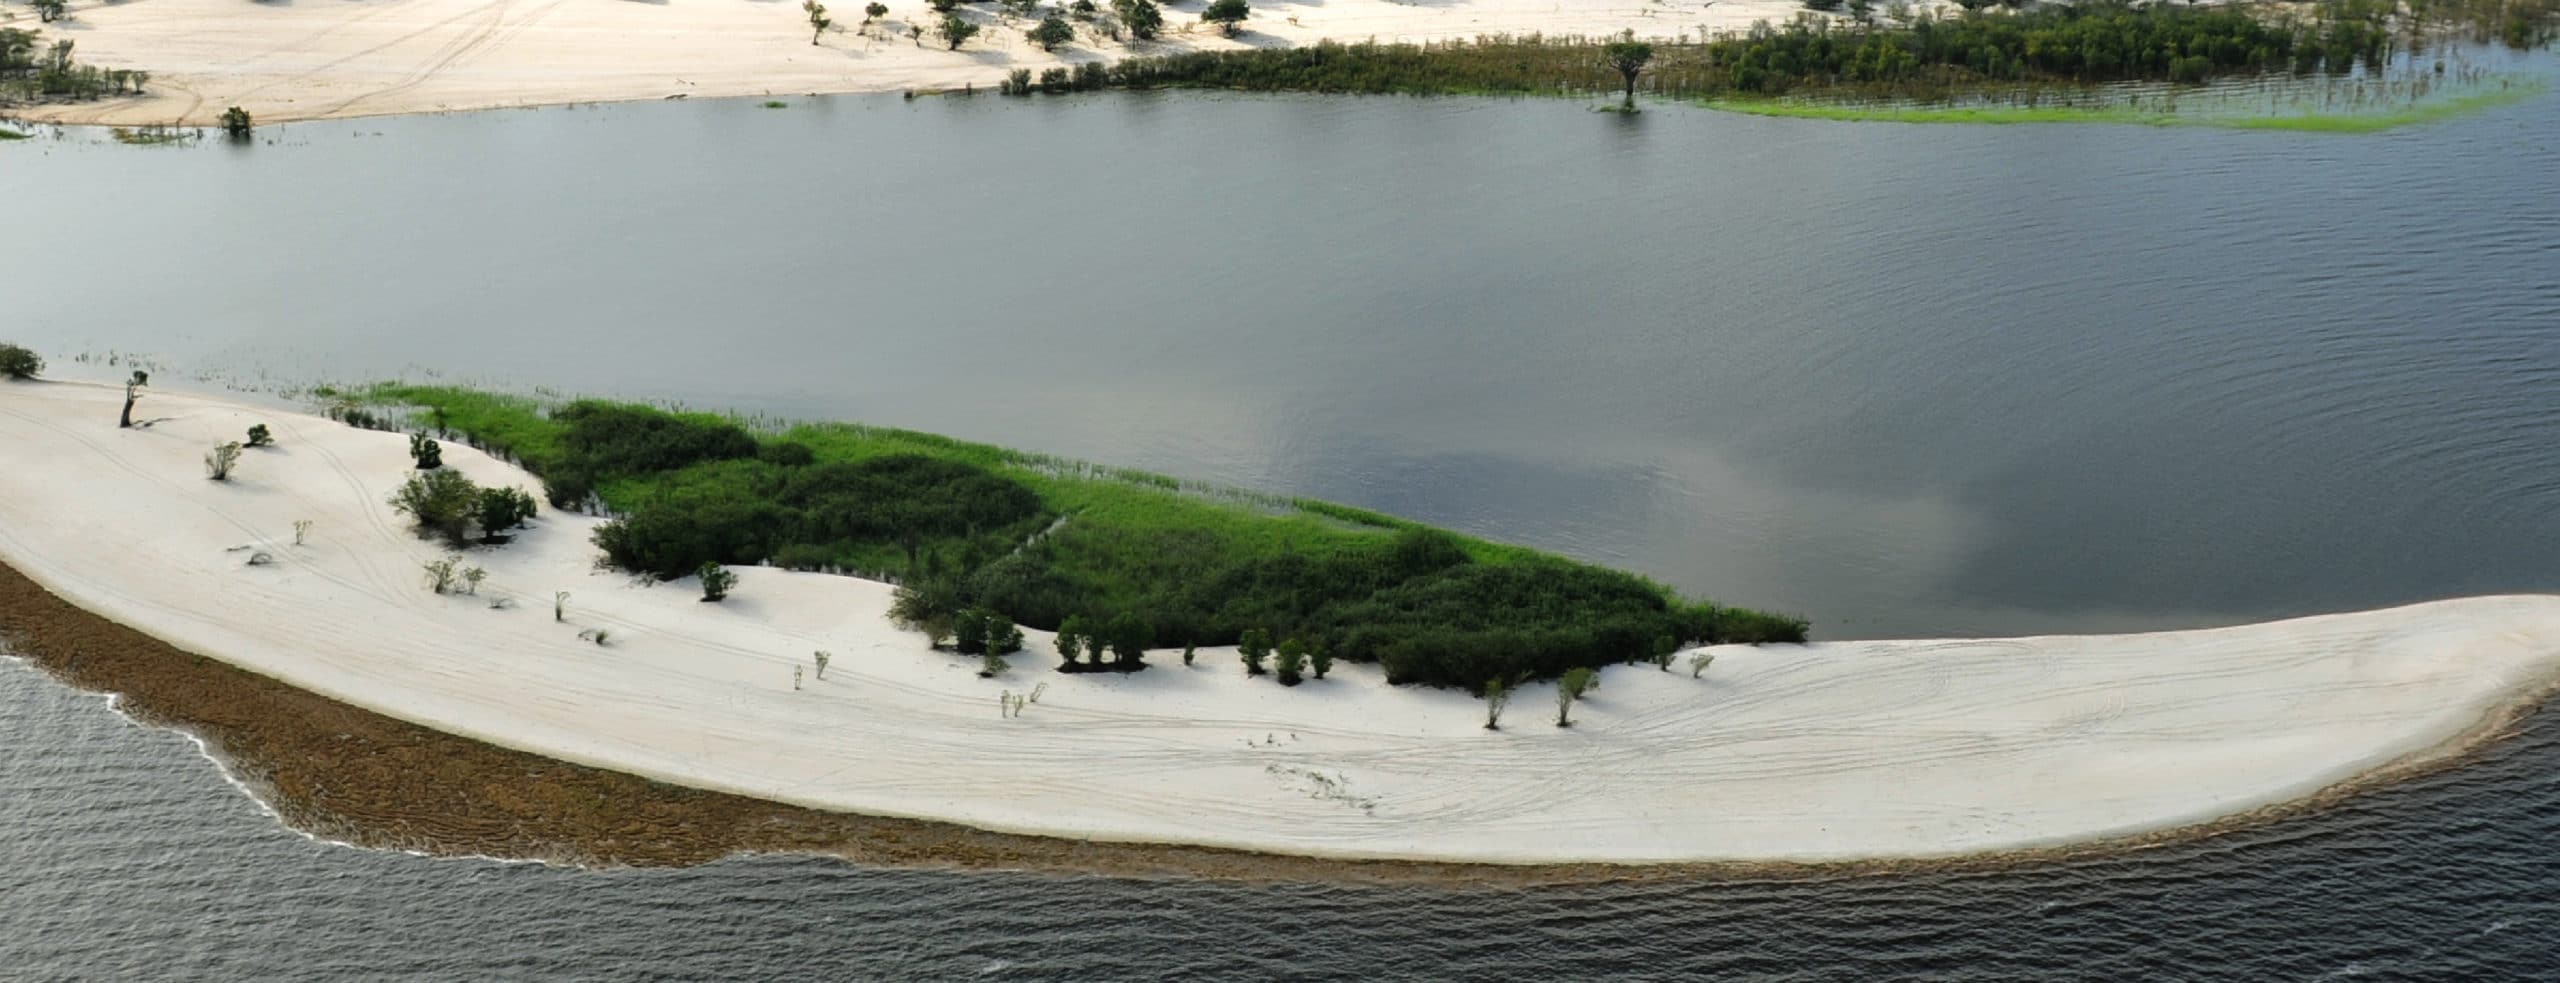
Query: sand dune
x,y
310,59
1828,751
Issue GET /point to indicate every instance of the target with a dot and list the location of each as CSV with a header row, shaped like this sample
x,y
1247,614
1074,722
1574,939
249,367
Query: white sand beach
x,y
1831,751
311,59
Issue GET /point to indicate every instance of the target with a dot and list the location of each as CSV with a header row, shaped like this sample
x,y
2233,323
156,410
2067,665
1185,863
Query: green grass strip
x,y
2517,91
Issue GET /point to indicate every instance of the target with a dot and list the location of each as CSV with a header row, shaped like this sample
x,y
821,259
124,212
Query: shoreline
x,y
441,795
301,62
2035,730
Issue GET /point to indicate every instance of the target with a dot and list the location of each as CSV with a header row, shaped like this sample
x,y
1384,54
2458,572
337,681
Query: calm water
x,y
1902,379
1906,380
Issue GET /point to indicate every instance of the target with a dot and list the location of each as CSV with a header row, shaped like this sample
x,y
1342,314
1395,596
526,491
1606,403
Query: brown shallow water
x,y
359,777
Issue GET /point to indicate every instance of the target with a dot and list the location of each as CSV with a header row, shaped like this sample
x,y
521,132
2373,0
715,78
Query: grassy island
x,y
1040,540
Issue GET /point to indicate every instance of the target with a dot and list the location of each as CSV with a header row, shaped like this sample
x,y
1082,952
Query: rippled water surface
x,y
126,856
1907,380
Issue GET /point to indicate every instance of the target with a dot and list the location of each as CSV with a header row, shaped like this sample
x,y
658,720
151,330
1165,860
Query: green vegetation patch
x,y
2510,91
1039,540
1924,56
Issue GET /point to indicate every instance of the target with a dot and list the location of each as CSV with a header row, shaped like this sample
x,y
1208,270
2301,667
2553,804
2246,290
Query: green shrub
x,y
440,501
425,452
260,437
717,581
1051,32
20,363
500,509
1229,15
1290,663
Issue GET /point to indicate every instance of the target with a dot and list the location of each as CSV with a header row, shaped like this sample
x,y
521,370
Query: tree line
x,y
2098,41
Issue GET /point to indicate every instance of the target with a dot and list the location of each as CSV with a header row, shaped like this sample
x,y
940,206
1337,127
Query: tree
x,y
1229,15
1130,636
822,657
1144,18
1698,664
1320,659
1188,652
19,363
236,123
874,11
1292,659
1052,32
501,509
428,454
48,11
969,632
1570,688
1003,636
1496,696
1252,648
260,437
132,392
1070,641
927,605
1664,647
1629,56
818,20
955,30
218,462
716,581
440,501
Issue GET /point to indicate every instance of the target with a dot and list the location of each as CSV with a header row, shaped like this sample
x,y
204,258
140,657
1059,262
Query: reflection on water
x,y
1904,380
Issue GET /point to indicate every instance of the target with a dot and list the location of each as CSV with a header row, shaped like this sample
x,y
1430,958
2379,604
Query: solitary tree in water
x,y
235,123
1629,56
132,391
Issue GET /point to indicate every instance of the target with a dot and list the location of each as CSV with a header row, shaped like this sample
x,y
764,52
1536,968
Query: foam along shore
x,y
1833,751
321,60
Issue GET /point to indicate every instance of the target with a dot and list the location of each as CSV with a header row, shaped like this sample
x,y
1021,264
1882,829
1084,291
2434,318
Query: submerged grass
x,y
2515,91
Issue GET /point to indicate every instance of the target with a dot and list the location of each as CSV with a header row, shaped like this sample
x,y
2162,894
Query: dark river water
x,y
1906,380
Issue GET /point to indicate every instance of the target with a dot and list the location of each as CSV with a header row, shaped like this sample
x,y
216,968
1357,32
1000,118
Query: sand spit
x,y
296,61
1868,753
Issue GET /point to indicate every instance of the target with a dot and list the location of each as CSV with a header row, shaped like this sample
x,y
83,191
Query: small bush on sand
x,y
1291,662
1575,682
500,509
428,454
219,461
1496,696
441,574
260,437
1254,647
716,581
441,502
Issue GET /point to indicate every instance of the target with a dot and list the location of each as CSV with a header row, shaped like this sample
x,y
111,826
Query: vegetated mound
x,y
1039,540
